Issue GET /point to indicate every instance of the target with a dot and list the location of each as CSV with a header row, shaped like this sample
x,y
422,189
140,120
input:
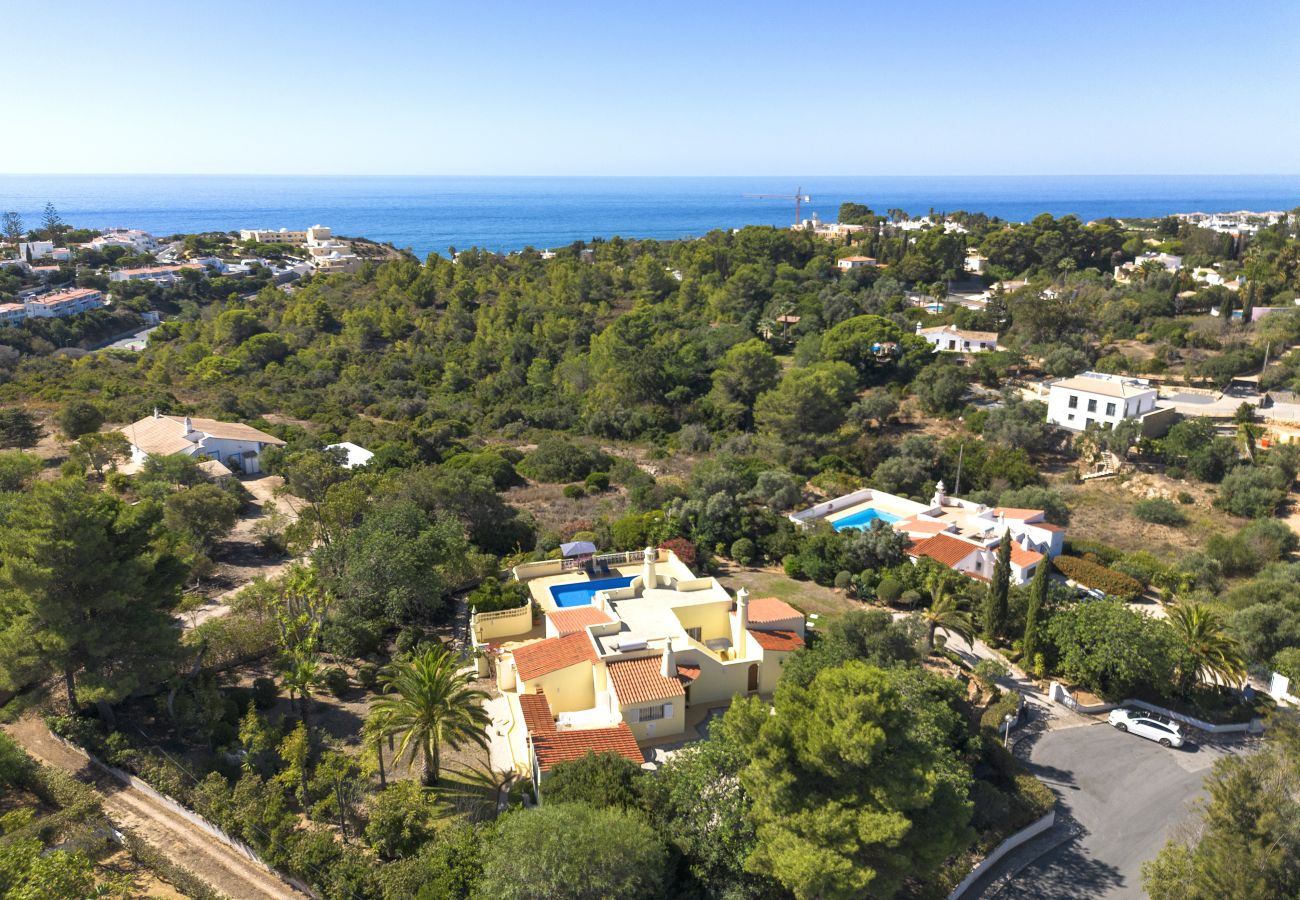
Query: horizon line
x,y
636,175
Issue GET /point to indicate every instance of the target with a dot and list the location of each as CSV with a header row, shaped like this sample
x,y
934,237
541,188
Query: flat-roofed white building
x,y
132,239
1075,403
12,313
63,303
267,236
33,250
951,339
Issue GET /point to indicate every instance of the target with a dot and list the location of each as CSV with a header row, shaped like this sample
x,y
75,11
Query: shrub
x,y
842,579
80,417
337,681
988,671
910,598
1080,547
792,565
1093,575
683,549
1185,498
597,482
574,491
1287,664
1252,492
742,551
1159,511
265,692
889,590
558,460
492,595
368,676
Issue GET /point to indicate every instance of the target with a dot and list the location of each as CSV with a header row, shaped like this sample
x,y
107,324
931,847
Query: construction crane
x,y
799,197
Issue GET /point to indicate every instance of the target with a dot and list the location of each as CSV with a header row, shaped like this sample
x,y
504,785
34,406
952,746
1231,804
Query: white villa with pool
x,y
960,534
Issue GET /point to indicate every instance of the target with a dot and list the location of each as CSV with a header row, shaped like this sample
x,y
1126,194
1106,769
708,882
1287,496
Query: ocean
x,y
431,214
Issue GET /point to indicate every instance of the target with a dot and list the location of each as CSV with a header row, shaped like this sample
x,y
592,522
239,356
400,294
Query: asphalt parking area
x,y
1123,795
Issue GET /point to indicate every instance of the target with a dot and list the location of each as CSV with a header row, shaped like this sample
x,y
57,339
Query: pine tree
x,y
84,592
995,605
1037,598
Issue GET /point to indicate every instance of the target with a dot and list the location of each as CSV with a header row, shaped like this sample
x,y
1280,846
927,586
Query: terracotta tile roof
x,y
639,681
777,640
165,435
1012,512
1048,526
1024,558
566,746
567,621
771,609
978,577
553,654
65,296
942,548
537,714
687,672
922,526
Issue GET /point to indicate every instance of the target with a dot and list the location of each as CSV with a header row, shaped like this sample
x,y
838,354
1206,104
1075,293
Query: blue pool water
x,y
861,519
580,593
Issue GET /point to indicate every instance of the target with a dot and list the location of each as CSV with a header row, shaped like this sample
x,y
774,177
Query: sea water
x,y
433,214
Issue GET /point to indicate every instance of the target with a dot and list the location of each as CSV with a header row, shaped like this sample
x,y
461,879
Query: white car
x,y
1152,726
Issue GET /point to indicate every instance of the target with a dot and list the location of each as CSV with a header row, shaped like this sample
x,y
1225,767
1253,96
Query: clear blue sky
x,y
392,87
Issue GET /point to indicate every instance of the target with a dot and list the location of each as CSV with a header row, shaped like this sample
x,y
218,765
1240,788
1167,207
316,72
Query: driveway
x,y
1121,795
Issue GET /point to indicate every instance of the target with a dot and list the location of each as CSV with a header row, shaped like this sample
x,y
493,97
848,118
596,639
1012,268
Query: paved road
x,y
1123,794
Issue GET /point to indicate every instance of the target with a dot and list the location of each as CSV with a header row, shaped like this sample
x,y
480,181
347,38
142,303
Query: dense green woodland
x,y
654,383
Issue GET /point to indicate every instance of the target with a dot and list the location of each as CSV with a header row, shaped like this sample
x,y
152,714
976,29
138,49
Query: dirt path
x,y
225,870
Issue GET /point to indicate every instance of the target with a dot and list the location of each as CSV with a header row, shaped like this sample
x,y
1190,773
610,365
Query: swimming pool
x,y
579,593
861,519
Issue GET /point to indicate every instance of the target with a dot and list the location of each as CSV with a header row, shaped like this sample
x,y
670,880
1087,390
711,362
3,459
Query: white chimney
x,y
189,425
742,621
1026,543
939,496
156,414
1002,523
648,579
668,669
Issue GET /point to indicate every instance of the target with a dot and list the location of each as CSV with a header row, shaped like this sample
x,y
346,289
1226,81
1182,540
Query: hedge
x,y
1090,574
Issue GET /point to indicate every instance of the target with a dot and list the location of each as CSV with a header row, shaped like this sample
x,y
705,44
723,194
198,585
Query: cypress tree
x,y
1037,597
995,605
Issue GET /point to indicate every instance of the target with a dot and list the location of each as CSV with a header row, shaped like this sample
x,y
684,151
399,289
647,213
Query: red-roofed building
x,y
775,613
561,622
533,661
548,746
63,303
960,534
777,641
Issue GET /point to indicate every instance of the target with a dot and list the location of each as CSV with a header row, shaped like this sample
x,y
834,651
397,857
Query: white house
x,y
236,446
951,339
1075,403
131,239
63,303
12,313
850,263
960,534
33,250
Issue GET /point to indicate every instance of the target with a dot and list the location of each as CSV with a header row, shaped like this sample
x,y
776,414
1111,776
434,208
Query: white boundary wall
x,y
1022,836
189,815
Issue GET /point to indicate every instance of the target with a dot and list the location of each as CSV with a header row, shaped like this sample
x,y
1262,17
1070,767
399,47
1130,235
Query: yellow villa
x,y
632,650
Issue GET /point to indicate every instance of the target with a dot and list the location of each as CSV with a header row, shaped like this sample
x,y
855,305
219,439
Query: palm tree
x,y
1215,653
375,731
429,703
302,673
945,612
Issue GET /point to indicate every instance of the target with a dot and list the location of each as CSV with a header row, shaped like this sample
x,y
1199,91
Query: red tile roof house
x,y
623,669
960,534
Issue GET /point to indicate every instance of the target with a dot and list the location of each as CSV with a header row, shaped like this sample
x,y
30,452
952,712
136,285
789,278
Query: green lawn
x,y
806,596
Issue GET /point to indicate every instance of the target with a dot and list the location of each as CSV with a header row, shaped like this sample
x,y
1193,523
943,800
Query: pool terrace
x,y
859,509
